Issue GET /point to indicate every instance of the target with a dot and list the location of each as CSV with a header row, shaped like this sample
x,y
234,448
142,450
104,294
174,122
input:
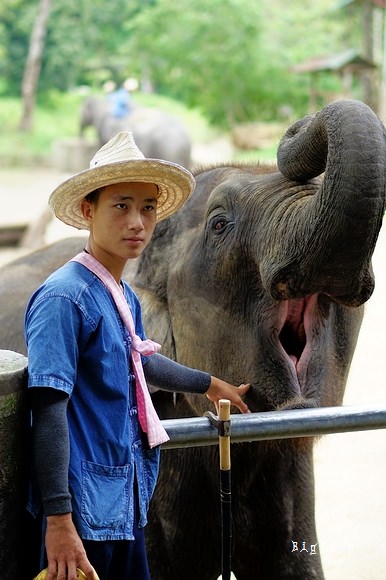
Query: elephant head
x,y
260,277
93,112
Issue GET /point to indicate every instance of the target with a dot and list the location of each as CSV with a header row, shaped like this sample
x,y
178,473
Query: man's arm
x,y
169,375
50,455
51,448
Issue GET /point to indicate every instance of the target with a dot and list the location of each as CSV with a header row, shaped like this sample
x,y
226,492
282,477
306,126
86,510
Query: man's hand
x,y
219,389
65,551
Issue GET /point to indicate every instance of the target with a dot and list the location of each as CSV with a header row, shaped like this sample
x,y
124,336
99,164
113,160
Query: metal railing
x,y
183,432
198,431
202,431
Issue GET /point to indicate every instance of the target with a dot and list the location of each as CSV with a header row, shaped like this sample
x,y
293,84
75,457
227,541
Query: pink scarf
x,y
148,418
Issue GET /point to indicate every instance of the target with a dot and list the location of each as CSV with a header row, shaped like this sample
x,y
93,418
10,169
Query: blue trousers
x,y
119,559
115,559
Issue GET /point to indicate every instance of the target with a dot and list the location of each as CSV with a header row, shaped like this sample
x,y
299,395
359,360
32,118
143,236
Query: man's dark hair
x,y
93,196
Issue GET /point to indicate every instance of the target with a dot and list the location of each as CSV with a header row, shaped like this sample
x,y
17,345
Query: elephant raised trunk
x,y
335,228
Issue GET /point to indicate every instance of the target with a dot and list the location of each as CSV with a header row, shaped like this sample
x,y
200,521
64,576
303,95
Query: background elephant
x,y
19,278
158,134
261,277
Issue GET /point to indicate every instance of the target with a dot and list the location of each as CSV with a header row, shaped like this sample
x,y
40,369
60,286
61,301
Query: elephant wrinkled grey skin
x,y
18,280
261,277
158,134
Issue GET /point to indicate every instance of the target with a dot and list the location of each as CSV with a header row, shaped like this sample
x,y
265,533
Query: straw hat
x,y
79,574
120,161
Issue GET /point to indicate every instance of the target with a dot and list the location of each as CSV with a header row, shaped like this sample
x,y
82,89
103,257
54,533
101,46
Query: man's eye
x,y
121,206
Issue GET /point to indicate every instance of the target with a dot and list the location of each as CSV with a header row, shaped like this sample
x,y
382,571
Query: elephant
x,y
261,278
158,134
19,278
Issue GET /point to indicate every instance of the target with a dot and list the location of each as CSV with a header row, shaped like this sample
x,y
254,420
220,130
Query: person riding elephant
x,y
120,99
160,135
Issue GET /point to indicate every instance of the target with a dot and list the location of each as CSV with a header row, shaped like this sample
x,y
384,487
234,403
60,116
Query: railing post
x,y
13,465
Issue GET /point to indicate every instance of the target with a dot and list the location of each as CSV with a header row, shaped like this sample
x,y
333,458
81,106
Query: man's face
x,y
123,218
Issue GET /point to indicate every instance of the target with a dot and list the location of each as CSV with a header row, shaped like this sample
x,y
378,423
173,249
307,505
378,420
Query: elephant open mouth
x,y
295,334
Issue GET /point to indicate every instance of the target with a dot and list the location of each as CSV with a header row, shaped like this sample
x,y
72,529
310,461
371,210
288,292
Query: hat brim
x,y
175,184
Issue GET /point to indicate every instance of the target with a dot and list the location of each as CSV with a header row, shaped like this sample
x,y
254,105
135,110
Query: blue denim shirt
x,y
77,343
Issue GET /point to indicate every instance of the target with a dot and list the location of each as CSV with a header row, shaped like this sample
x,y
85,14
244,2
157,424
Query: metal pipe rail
x,y
199,432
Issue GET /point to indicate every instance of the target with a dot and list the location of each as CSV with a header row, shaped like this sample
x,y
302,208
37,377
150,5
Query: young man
x,y
96,435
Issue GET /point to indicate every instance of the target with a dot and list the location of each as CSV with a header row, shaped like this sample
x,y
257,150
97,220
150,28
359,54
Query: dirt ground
x,y
350,468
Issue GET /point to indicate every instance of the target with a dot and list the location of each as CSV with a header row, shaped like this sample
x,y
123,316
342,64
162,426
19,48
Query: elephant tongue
x,y
293,335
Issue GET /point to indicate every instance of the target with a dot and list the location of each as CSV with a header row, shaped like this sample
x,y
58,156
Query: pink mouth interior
x,y
295,335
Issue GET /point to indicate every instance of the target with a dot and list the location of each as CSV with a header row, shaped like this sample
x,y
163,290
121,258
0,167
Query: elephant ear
x,y
156,320
149,281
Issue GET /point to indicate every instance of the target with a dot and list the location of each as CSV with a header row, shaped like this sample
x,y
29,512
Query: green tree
x,y
210,56
83,41
230,58
16,21
33,64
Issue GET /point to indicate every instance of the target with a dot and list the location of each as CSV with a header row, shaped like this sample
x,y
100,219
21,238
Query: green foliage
x,y
88,35
57,116
231,59
82,38
16,20
211,57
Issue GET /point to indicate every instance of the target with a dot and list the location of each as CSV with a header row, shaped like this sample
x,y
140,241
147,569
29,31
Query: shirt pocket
x,y
106,495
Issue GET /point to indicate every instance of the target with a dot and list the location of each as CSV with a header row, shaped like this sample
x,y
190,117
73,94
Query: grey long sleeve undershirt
x,y
169,375
51,447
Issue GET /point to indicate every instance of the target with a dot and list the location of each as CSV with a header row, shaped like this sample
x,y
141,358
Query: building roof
x,y
334,62
343,3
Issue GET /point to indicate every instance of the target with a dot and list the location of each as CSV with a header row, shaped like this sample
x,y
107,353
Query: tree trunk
x,y
33,63
369,78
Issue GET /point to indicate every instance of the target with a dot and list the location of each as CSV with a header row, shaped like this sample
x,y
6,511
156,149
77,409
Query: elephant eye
x,y
218,224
